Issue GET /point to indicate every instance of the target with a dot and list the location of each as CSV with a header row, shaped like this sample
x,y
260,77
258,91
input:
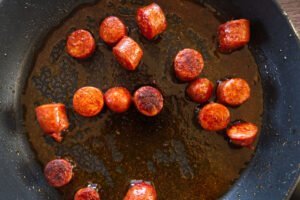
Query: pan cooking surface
x,y
171,150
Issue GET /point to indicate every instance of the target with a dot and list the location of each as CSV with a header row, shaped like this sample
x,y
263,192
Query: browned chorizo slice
x,y
81,44
242,134
188,64
200,90
87,193
58,172
148,100
151,20
112,30
233,92
214,117
141,191
118,99
88,101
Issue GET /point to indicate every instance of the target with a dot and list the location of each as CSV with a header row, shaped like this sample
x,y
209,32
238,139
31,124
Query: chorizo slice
x,y
58,172
141,191
87,193
88,101
188,64
112,30
128,53
151,20
53,119
200,90
233,35
81,44
233,92
214,117
118,99
242,134
148,100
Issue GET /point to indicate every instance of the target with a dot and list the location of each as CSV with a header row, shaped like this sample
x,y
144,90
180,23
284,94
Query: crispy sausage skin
x,y
81,44
52,119
242,134
141,191
118,99
214,117
233,35
148,100
188,64
88,101
128,53
200,90
151,20
87,193
233,92
58,172
112,30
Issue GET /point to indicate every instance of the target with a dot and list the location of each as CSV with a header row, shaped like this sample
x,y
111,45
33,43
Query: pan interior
x,y
170,150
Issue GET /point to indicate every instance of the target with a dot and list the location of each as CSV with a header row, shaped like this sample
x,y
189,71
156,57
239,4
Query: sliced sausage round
x,y
88,101
151,20
233,92
58,172
112,29
87,193
128,53
118,99
200,90
81,44
214,117
233,35
52,119
148,100
188,64
242,134
141,191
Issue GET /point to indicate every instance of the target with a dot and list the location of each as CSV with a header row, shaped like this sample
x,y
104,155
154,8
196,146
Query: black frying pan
x,y
272,173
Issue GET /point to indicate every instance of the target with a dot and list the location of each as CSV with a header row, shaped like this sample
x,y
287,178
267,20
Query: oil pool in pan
x,y
171,150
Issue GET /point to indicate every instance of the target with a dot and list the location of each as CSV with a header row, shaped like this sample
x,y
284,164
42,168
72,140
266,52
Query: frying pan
x,y
272,173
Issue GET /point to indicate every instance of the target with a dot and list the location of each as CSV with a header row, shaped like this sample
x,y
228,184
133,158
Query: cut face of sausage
x,y
128,53
80,44
214,117
151,20
233,35
148,100
112,29
242,134
118,99
200,90
141,191
53,119
188,64
58,172
87,193
88,101
233,92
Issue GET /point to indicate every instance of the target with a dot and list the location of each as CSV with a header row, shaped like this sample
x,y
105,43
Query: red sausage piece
x,y
88,101
151,20
128,53
112,29
53,119
141,191
200,90
188,64
87,193
148,100
242,134
118,99
58,172
233,91
214,117
81,44
233,35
